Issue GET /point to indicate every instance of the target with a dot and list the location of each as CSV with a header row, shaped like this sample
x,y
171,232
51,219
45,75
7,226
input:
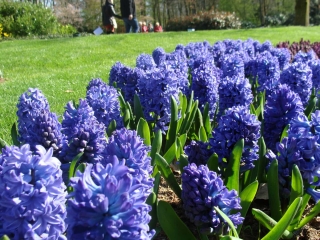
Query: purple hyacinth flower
x,y
283,55
232,65
177,61
127,146
30,104
218,50
158,55
205,82
156,87
305,57
234,91
145,62
315,68
32,194
198,152
202,190
126,79
105,103
84,133
268,72
280,108
236,124
248,48
298,76
107,203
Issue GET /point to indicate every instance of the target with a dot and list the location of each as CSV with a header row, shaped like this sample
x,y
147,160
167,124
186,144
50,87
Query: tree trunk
x,y
302,10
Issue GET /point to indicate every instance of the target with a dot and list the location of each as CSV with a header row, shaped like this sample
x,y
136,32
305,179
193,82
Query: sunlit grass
x,y
62,68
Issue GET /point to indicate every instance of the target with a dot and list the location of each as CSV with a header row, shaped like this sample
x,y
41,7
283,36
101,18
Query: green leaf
x,y
273,191
213,162
311,105
253,110
172,224
152,201
186,124
311,215
284,132
81,168
167,174
183,161
190,103
202,134
227,219
72,168
112,127
14,134
171,153
137,109
4,237
144,131
277,231
296,184
247,196
172,132
126,118
206,119
262,162
268,222
156,145
233,169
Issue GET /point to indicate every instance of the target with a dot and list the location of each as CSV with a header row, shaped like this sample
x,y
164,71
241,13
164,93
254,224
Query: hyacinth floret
x,y
268,72
248,48
196,50
202,190
107,203
30,104
283,55
298,76
205,82
32,194
127,146
84,133
236,124
158,55
145,62
232,65
105,103
198,152
281,107
156,87
234,91
233,46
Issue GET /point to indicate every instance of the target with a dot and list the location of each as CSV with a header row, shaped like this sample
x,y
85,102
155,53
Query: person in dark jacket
x,y
108,17
128,12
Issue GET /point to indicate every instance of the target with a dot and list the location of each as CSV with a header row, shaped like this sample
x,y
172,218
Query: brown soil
x,y
251,230
2,80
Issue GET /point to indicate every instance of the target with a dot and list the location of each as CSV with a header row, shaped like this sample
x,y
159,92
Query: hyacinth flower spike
x,y
107,203
202,190
32,194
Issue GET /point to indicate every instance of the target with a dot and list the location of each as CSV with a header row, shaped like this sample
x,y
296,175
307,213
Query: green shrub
x,y
205,21
24,19
65,29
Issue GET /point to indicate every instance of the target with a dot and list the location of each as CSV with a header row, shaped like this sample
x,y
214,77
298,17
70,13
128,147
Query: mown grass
x,y
62,68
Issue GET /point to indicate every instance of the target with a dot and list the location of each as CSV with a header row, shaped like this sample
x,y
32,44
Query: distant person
x,y
157,27
108,17
144,28
150,27
128,12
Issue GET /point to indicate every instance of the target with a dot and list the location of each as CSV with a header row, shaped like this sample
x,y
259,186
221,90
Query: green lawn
x,y
62,68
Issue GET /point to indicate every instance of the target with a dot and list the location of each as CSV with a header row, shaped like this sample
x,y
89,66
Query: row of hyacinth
x,y
108,200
